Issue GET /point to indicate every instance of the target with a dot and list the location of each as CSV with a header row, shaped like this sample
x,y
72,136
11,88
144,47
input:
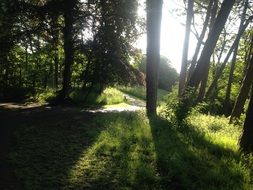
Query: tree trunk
x,y
246,141
224,43
219,72
183,72
202,89
244,92
68,47
154,16
203,64
56,71
200,40
214,13
56,35
227,103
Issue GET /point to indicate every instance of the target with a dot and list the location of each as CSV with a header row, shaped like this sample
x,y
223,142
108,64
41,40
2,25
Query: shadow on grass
x,y
47,141
73,150
187,160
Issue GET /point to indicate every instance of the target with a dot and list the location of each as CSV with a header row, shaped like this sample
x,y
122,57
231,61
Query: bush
x,y
210,107
43,96
177,109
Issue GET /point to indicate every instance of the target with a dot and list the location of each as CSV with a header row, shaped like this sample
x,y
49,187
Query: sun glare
x,y
172,34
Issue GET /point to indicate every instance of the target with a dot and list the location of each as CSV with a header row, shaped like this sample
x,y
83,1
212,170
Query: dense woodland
x,y
81,55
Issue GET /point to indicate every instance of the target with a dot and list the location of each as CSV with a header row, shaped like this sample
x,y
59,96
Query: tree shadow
x,y
187,160
121,157
43,143
71,149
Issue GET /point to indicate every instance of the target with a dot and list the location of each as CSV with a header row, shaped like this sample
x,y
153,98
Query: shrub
x,y
177,109
210,107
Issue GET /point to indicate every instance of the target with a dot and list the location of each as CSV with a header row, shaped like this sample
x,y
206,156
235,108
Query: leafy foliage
x,y
168,76
178,109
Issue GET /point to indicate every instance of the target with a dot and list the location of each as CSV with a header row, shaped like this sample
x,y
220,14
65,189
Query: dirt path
x,y
132,104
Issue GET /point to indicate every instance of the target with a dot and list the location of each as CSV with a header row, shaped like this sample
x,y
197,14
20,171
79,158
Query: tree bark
x,y
55,42
244,91
227,103
154,16
246,141
214,13
68,47
184,63
203,63
200,40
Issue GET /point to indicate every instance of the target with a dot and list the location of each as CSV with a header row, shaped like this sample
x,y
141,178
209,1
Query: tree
x,y
168,75
184,63
210,10
108,53
219,72
154,16
244,90
246,144
232,68
200,73
68,13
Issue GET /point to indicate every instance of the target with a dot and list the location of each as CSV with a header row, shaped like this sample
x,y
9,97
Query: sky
x,y
172,34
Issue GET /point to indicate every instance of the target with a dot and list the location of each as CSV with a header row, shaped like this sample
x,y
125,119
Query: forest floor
x,y
116,147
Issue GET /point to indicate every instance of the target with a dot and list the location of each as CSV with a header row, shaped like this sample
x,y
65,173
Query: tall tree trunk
x,y
56,36
56,71
68,47
154,16
200,40
202,68
223,46
184,63
227,103
244,92
246,141
214,11
202,89
219,72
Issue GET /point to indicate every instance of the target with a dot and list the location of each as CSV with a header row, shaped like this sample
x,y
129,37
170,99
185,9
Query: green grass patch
x,y
140,92
43,96
80,97
132,151
108,97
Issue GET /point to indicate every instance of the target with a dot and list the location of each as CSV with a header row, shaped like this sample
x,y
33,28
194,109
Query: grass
x,y
43,96
108,97
140,92
132,151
